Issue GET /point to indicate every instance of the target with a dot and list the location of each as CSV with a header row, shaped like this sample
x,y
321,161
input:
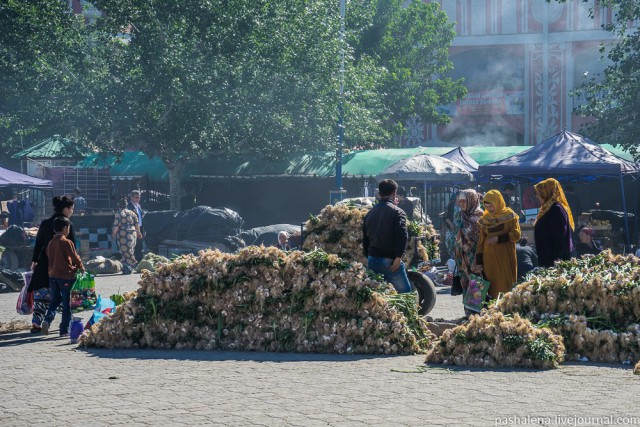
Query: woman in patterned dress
x,y
125,231
468,232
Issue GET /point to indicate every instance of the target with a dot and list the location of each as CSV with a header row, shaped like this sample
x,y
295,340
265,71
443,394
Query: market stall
x,y
566,156
19,211
428,171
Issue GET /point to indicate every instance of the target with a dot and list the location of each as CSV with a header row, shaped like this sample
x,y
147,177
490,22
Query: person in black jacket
x,y
554,224
385,236
63,207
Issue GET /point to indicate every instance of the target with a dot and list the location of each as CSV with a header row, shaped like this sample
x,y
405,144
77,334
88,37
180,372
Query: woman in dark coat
x,y
62,206
554,224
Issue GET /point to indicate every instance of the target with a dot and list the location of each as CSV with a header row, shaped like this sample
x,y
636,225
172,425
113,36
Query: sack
x,y
456,286
14,236
24,305
104,266
476,293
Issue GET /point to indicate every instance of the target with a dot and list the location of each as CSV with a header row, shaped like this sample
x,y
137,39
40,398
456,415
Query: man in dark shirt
x,y
385,236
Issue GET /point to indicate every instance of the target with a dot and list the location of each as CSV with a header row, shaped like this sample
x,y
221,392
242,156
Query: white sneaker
x,y
45,328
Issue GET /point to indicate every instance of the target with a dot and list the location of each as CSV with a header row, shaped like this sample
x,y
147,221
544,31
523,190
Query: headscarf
x,y
550,191
468,229
472,214
501,213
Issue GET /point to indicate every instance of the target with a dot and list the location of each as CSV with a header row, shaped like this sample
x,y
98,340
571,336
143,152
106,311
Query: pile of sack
x,y
102,265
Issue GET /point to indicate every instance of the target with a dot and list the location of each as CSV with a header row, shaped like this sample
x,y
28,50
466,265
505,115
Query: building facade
x,y
520,60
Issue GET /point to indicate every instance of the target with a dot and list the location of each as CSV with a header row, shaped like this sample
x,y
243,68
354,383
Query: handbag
x,y
24,305
456,286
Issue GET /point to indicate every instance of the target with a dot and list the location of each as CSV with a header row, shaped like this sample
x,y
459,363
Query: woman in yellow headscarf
x,y
554,224
496,253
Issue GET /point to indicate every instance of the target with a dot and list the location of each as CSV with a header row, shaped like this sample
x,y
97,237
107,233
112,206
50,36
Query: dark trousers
x,y
60,294
137,253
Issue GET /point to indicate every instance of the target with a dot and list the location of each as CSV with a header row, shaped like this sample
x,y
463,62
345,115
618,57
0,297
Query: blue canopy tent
x,y
565,155
9,178
459,156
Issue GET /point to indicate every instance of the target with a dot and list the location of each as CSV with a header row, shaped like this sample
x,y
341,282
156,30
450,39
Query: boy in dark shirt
x,y
63,264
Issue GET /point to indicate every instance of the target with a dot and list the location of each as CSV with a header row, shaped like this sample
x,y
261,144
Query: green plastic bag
x,y
84,280
476,293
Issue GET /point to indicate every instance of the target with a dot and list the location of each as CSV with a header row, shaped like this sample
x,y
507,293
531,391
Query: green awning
x,y
365,163
295,164
618,152
132,164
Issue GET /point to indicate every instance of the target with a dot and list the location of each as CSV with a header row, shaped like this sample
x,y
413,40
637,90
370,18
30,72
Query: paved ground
x,y
47,380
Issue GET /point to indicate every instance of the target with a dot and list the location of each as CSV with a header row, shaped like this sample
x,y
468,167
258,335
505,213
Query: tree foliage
x,y
43,47
613,98
186,79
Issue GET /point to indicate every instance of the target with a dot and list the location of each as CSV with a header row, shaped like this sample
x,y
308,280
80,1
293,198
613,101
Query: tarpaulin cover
x,y
9,178
200,224
565,153
425,167
267,235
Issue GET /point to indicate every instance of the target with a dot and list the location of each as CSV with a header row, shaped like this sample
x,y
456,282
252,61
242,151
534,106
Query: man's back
x,y
385,230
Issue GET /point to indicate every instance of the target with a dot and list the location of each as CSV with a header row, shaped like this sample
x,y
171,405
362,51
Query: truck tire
x,y
426,291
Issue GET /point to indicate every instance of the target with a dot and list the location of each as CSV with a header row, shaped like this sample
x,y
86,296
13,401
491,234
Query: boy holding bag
x,y
63,263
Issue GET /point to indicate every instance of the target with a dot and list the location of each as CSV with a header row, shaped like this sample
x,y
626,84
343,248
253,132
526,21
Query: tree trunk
x,y
175,186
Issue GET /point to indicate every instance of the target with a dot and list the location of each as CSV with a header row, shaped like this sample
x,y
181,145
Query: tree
x,y
411,47
43,49
261,76
613,99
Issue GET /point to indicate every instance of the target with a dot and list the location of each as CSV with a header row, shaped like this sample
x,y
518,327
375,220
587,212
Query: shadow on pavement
x,y
12,339
18,338
568,368
224,356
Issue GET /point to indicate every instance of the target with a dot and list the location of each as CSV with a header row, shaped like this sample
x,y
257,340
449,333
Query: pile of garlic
x,y
262,299
338,230
493,339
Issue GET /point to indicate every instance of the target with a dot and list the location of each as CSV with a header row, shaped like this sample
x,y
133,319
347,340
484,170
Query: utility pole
x,y
339,193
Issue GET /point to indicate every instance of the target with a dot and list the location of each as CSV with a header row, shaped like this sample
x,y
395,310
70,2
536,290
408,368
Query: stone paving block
x,y
225,388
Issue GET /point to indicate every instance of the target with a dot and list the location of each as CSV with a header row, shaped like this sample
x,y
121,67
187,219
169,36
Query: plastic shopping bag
x,y
84,280
476,293
103,307
83,294
24,305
